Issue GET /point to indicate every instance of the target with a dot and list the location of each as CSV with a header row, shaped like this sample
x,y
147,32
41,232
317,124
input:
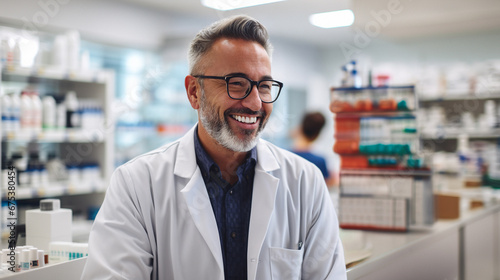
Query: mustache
x,y
245,111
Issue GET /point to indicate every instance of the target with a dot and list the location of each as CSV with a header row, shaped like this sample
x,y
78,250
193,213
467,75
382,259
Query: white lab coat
x,y
157,222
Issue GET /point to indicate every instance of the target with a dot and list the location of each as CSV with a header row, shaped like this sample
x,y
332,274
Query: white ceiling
x,y
289,19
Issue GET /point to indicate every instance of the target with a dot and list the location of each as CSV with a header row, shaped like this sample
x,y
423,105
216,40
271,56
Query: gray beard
x,y
221,131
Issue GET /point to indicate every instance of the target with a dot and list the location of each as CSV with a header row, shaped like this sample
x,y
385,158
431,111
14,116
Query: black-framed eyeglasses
x,y
239,87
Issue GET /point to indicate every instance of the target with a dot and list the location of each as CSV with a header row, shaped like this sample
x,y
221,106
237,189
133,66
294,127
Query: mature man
x,y
220,203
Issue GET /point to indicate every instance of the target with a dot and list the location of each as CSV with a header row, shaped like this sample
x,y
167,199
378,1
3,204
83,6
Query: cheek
x,y
268,108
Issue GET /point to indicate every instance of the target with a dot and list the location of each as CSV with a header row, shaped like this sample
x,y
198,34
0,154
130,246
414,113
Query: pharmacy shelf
x,y
386,171
357,114
23,73
97,85
452,134
54,189
469,96
56,136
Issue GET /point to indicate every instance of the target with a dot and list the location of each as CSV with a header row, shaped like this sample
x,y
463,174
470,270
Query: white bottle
x,y
6,114
73,39
5,52
37,112
72,114
25,260
60,116
15,113
16,54
33,257
26,112
60,52
49,112
41,258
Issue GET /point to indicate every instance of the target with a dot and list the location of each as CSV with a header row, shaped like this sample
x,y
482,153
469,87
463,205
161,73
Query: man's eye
x,y
239,84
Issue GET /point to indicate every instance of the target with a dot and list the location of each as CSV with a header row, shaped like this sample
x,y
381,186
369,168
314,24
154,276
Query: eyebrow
x,y
239,74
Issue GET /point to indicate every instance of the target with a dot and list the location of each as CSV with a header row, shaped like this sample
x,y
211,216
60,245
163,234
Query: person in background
x,y
219,203
304,137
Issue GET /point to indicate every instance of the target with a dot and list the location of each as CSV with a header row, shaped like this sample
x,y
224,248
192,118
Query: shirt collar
x,y
205,162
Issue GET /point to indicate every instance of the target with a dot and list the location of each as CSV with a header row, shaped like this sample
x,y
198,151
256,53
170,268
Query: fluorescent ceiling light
x,y
225,5
332,19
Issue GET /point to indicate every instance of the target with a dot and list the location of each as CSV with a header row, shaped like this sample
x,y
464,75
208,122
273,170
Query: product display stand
x,y
384,182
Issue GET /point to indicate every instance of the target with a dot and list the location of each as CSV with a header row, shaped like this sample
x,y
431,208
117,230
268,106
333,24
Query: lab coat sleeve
x,y
119,247
323,251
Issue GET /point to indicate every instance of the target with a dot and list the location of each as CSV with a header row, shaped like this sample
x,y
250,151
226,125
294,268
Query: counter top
x,y
385,248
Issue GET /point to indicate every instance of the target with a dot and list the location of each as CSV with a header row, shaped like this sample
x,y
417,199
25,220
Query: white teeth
x,y
245,119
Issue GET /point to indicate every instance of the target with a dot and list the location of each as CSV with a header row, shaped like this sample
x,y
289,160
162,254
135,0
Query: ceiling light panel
x,y
332,19
225,5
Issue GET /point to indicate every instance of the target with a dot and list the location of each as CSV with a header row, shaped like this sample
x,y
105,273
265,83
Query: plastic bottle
x,y
6,113
356,78
60,52
26,112
72,115
49,112
16,54
21,165
15,113
25,260
36,111
34,170
56,169
73,40
60,114
5,52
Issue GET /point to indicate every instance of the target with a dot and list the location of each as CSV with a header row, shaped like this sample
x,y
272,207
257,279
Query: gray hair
x,y
236,27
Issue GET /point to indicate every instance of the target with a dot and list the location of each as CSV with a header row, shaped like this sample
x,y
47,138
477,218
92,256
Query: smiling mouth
x,y
243,119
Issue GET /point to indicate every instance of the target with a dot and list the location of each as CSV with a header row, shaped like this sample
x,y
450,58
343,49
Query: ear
x,y
193,90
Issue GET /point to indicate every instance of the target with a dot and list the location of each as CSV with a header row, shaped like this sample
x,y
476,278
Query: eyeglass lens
x,y
238,87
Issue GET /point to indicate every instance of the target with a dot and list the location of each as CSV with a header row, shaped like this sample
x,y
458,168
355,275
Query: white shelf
x,y
52,189
55,136
459,97
493,133
57,74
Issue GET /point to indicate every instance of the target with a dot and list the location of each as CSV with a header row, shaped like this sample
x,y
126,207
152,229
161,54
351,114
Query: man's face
x,y
234,124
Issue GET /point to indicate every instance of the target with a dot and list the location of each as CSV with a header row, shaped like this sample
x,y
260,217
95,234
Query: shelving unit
x,y
466,129
77,145
384,182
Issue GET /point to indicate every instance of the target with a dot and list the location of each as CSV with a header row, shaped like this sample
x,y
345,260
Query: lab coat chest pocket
x,y
285,263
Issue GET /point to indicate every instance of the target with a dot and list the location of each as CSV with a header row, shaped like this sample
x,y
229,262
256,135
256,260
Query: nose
x,y
252,101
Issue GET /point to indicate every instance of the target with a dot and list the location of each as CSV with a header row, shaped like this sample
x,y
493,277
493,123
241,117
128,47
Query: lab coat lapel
x,y
263,199
196,196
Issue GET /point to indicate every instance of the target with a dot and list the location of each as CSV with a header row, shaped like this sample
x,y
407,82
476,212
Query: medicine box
x,y
43,227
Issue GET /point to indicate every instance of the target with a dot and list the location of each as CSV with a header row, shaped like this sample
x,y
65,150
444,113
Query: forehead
x,y
234,55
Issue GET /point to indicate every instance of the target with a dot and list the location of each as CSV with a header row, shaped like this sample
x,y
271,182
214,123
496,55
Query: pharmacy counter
x,y
465,248
70,270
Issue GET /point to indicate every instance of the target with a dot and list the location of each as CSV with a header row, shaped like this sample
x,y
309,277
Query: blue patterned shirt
x,y
231,205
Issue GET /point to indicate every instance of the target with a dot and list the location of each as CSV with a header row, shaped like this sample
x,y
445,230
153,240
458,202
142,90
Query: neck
x,y
227,160
301,144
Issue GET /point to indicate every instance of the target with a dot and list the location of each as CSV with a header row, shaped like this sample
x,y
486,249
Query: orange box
x,y
346,147
353,162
